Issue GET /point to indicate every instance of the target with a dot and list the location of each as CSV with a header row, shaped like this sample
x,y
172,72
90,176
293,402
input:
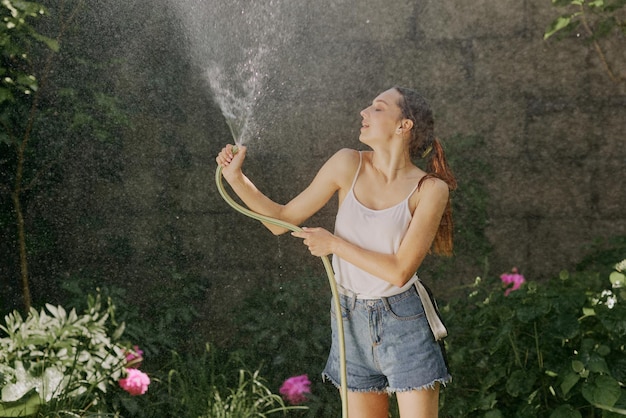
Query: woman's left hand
x,y
319,241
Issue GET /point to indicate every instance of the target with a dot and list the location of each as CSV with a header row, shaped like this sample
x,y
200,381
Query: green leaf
x,y
578,366
5,95
559,24
535,309
603,390
589,312
569,381
603,350
53,44
565,411
29,405
617,279
520,383
117,334
565,326
597,364
496,413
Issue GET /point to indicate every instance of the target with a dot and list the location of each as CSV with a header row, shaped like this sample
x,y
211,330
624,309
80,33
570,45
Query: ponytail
x,y
437,167
424,145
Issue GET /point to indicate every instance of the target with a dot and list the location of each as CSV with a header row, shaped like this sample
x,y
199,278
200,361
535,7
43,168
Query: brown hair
x,y
424,145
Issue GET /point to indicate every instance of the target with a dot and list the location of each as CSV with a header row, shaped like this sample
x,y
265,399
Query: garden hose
x,y
329,273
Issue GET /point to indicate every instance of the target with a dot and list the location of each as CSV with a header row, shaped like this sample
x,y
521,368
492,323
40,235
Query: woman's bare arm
x,y
330,178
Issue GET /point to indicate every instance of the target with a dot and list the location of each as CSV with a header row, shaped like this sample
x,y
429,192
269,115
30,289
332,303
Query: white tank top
x,y
381,231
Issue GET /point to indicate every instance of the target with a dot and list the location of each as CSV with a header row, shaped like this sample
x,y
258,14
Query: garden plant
x,y
554,349
54,362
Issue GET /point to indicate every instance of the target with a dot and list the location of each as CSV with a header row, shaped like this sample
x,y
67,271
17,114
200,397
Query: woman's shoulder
x,y
346,158
347,153
434,187
343,165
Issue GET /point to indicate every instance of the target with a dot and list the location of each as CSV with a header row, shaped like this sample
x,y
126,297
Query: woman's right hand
x,y
230,161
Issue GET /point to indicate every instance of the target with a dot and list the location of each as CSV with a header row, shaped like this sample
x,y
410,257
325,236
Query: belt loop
x,y
352,301
351,297
386,303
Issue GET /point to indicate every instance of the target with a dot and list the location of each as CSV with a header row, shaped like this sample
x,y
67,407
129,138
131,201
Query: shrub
x,y
55,361
208,384
554,349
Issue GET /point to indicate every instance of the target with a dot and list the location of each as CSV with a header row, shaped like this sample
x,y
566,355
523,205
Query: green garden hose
x,y
329,273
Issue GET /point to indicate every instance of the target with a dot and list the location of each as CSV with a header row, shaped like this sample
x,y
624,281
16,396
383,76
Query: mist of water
x,y
235,44
237,95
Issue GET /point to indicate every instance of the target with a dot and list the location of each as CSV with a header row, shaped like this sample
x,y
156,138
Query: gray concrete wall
x,y
552,122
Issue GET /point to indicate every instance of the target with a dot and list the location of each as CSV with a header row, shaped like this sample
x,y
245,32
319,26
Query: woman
x,y
390,215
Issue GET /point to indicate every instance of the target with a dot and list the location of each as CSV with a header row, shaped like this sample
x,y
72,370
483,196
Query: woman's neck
x,y
390,166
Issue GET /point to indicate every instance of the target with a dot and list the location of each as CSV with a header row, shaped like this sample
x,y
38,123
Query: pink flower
x,y
134,357
294,389
136,383
514,279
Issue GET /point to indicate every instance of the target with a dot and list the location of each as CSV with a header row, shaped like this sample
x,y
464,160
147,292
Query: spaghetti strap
x,y
358,170
413,191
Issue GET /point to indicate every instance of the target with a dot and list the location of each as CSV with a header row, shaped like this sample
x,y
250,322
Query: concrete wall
x,y
552,122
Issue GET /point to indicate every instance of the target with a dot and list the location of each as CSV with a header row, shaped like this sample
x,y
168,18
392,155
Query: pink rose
x,y
295,388
514,279
134,357
136,383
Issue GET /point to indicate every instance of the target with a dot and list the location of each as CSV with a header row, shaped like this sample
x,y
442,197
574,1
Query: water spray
x,y
329,273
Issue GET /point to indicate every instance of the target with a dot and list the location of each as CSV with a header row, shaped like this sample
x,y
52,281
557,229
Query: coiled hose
x,y
329,273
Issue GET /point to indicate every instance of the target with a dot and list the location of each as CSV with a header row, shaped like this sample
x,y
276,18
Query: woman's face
x,y
381,120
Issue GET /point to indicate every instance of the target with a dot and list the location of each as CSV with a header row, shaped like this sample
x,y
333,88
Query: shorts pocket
x,y
407,309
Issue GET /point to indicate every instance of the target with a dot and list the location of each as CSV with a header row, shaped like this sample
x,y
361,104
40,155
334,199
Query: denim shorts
x,y
389,345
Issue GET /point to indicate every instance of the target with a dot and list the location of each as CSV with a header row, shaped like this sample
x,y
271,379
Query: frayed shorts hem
x,y
443,381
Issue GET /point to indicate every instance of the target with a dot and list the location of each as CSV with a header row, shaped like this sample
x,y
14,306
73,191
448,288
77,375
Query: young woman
x,y
391,213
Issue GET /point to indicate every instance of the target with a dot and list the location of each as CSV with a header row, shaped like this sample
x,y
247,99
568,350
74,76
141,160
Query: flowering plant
x,y
134,357
136,382
56,355
549,349
512,281
295,389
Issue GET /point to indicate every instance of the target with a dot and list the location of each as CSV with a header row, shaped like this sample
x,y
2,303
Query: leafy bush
x,y
58,361
554,349
209,384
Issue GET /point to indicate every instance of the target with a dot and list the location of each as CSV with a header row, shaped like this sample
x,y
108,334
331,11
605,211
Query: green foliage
x,y
250,398
602,14
53,103
595,19
16,38
554,349
211,383
285,326
58,359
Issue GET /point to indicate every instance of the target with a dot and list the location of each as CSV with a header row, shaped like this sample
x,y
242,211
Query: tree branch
x,y
607,68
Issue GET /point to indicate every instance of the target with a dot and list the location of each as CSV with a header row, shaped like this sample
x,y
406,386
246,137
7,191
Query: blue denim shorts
x,y
389,345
